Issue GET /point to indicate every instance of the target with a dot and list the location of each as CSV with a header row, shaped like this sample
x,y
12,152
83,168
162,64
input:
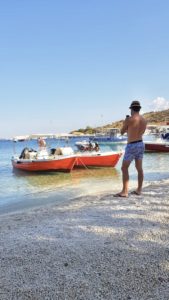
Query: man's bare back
x,y
135,127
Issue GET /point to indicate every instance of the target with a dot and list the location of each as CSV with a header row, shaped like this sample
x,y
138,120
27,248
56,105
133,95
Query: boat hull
x,y
97,160
156,147
64,164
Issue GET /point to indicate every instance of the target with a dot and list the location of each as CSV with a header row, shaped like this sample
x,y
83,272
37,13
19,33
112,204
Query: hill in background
x,y
153,118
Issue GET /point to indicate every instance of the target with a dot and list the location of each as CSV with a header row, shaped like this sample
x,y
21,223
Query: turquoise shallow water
x,y
22,190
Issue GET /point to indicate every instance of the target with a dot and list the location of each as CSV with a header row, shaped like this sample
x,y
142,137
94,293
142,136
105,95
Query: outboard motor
x,y
165,136
24,153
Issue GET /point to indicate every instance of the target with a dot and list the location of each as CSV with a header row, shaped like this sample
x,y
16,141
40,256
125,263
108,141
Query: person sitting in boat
x,y
90,147
96,148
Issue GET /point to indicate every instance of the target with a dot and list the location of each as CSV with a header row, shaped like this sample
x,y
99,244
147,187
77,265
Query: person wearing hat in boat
x,y
134,126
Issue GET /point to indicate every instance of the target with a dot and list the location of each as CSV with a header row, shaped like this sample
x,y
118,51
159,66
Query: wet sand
x,y
94,247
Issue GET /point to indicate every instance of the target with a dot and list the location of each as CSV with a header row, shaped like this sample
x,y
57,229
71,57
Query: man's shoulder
x,y
144,119
137,119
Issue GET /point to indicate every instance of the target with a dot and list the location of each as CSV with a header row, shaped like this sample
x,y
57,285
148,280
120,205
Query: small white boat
x,y
87,146
113,136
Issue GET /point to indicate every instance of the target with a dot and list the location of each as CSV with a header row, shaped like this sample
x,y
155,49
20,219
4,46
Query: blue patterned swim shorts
x,y
134,151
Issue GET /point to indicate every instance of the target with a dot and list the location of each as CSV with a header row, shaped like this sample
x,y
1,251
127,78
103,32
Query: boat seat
x,y
67,150
41,154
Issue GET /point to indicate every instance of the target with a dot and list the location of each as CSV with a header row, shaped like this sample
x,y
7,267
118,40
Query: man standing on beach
x,y
135,126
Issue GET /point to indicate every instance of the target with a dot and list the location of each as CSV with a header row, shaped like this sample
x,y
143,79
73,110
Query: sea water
x,y
21,190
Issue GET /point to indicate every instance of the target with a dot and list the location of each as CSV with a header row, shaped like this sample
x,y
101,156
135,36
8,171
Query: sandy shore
x,y
96,247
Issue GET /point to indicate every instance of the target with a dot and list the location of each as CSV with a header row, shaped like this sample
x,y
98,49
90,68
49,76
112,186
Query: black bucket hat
x,y
135,103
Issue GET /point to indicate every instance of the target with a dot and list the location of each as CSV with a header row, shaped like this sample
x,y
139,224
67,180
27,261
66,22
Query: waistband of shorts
x,y
134,142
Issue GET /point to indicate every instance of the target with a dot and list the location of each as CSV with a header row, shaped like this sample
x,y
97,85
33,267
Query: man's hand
x,y
125,125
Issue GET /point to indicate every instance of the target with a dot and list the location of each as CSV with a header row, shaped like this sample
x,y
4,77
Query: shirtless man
x,y
135,127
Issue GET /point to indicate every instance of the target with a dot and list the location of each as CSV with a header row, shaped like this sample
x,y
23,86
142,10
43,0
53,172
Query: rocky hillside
x,y
157,117
153,118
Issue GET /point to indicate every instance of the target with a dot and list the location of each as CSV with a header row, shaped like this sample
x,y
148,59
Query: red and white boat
x,y
157,146
43,159
62,159
66,163
97,159
60,163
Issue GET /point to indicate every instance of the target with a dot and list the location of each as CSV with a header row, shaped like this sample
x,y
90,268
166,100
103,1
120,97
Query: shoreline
x,y
34,200
92,247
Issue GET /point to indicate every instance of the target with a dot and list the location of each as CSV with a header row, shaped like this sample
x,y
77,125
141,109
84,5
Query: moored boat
x,y
43,159
60,163
87,146
97,159
160,146
107,140
67,163
112,136
62,159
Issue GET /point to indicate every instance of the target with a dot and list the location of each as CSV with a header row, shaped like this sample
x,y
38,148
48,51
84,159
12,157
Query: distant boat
x,y
109,140
87,146
157,146
113,136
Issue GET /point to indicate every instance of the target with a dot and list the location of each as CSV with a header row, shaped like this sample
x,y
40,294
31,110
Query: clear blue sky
x,y
68,64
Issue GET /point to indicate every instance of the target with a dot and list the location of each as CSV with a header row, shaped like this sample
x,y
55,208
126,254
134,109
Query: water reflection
x,y
54,180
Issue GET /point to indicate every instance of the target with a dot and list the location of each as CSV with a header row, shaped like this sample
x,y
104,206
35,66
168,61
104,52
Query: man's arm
x,y
145,126
124,127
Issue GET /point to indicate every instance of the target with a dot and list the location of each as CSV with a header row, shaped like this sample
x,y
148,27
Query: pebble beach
x,y
93,247
84,91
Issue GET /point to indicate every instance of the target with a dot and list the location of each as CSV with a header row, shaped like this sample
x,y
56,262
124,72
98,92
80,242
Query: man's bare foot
x,y
136,193
120,195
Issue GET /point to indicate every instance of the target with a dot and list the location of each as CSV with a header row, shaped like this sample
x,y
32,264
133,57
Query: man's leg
x,y
125,174
125,177
138,164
